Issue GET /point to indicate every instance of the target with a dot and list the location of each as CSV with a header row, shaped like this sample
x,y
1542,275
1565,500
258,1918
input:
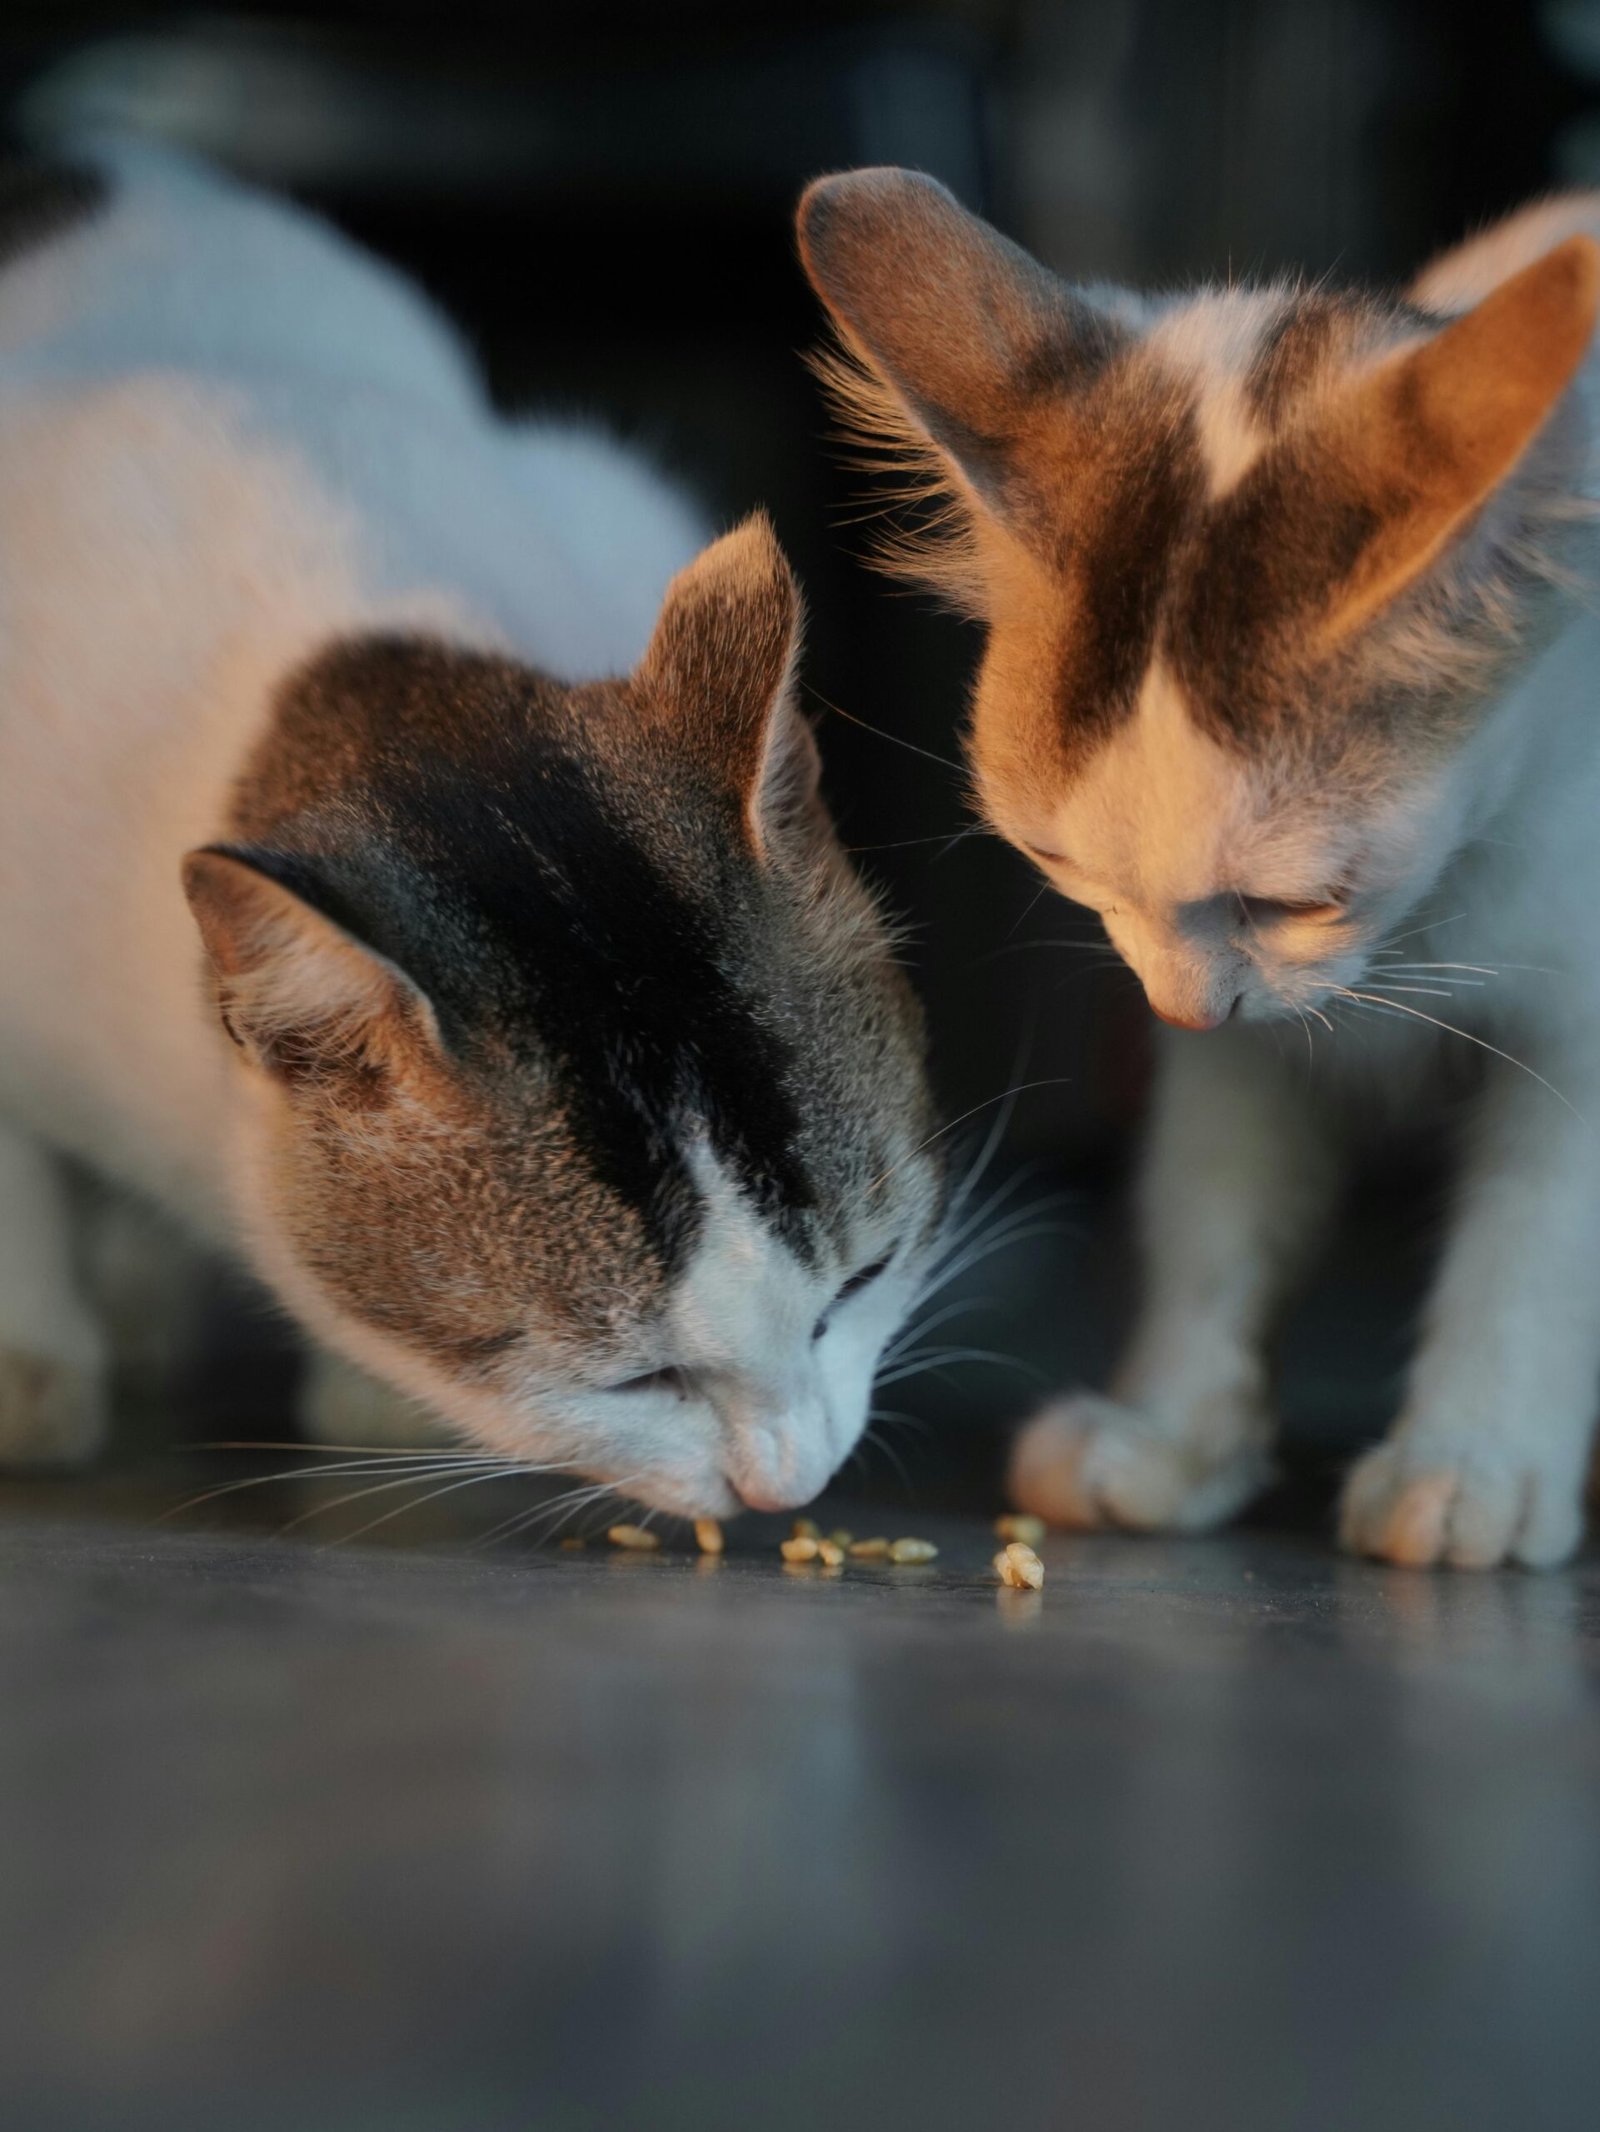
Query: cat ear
x,y
716,678
297,992
1434,430
966,330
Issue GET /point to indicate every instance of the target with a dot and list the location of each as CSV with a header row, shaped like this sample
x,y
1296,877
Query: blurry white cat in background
x,y
1292,674
525,1027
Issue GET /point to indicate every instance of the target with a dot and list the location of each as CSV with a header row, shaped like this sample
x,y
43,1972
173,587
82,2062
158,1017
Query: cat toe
x,y
52,1413
1087,1463
1456,1514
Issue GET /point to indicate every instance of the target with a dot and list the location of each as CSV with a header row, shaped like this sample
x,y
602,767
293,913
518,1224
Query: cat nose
x,y
756,1497
1199,1019
1186,1021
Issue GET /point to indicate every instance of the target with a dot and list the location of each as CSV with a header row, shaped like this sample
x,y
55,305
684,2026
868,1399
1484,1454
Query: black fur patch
x,y
42,200
510,875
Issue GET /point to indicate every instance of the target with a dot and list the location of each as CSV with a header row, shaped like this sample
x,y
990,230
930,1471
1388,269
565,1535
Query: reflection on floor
x,y
1223,1834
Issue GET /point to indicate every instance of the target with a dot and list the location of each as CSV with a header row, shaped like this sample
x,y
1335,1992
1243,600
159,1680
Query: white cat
x,y
1291,675
537,1044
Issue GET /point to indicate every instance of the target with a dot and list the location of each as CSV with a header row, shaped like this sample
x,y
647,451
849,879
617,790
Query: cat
x,y
413,876
1289,675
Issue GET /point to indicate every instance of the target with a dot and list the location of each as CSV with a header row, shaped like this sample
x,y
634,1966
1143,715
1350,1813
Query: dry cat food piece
x,y
830,1554
912,1551
869,1550
708,1536
573,1542
1019,1526
1018,1565
633,1536
806,1529
802,1548
840,1537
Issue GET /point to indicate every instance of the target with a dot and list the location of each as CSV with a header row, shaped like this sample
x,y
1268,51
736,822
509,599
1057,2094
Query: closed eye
x,y
667,1380
1269,910
852,1287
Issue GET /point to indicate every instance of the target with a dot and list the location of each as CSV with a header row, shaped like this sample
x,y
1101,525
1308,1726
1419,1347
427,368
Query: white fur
x,y
224,436
1491,861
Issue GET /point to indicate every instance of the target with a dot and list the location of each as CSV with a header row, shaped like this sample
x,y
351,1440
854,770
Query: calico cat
x,y
1290,675
413,875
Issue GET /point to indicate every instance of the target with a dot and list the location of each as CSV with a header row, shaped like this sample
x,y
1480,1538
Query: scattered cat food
x,y
572,1542
840,1537
869,1550
912,1550
708,1536
635,1537
1018,1566
830,1554
800,1548
806,1529
1018,1526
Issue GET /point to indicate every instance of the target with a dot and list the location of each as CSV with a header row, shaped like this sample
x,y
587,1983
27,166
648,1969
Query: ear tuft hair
x,y
303,997
951,337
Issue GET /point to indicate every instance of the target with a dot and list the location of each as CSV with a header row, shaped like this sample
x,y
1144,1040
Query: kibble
x,y
708,1536
802,1548
806,1529
869,1550
1018,1566
1019,1526
912,1550
840,1537
573,1542
830,1554
634,1537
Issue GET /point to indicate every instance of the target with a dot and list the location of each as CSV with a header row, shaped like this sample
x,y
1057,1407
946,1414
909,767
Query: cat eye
x,y
852,1287
667,1380
1266,909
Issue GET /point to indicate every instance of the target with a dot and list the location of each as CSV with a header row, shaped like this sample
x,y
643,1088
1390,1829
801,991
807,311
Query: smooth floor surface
x,y
1221,1833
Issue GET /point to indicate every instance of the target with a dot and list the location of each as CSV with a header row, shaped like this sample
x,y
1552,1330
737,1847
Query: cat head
x,y
1254,562
582,1095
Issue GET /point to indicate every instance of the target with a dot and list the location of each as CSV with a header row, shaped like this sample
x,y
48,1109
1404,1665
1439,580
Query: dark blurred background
x,y
602,195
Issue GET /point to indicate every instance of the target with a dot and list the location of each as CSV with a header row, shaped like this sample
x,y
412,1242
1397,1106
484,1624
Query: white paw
x,y
52,1413
343,1407
1469,1504
1088,1462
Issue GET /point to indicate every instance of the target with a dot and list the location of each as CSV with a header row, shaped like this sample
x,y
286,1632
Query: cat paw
x,y
1405,1504
52,1413
1088,1463
344,1408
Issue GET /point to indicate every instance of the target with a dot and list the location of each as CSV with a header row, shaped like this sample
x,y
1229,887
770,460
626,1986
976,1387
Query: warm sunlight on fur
x,y
1288,674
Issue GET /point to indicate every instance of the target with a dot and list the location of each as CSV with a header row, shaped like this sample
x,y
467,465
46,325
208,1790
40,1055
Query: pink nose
x,y
755,1497
1182,1021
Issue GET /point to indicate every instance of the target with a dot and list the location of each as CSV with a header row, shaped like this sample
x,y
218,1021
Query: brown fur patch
x,y
1085,535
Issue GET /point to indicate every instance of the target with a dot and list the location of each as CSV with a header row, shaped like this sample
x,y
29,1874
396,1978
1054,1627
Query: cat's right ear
x,y
300,995
964,328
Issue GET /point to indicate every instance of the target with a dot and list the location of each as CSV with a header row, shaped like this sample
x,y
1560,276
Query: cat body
x,y
1290,676
281,593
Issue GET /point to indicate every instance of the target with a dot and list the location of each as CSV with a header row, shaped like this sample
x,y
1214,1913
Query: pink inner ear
x,y
294,988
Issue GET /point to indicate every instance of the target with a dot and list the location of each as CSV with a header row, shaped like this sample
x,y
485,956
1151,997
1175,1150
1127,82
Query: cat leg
x,y
341,1406
53,1406
1487,1461
1237,1178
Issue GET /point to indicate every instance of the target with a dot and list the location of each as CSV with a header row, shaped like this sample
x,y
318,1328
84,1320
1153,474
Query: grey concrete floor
x,y
1219,1833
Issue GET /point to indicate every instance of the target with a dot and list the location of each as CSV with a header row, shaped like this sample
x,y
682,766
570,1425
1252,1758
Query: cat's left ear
x,y
1434,430
717,679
